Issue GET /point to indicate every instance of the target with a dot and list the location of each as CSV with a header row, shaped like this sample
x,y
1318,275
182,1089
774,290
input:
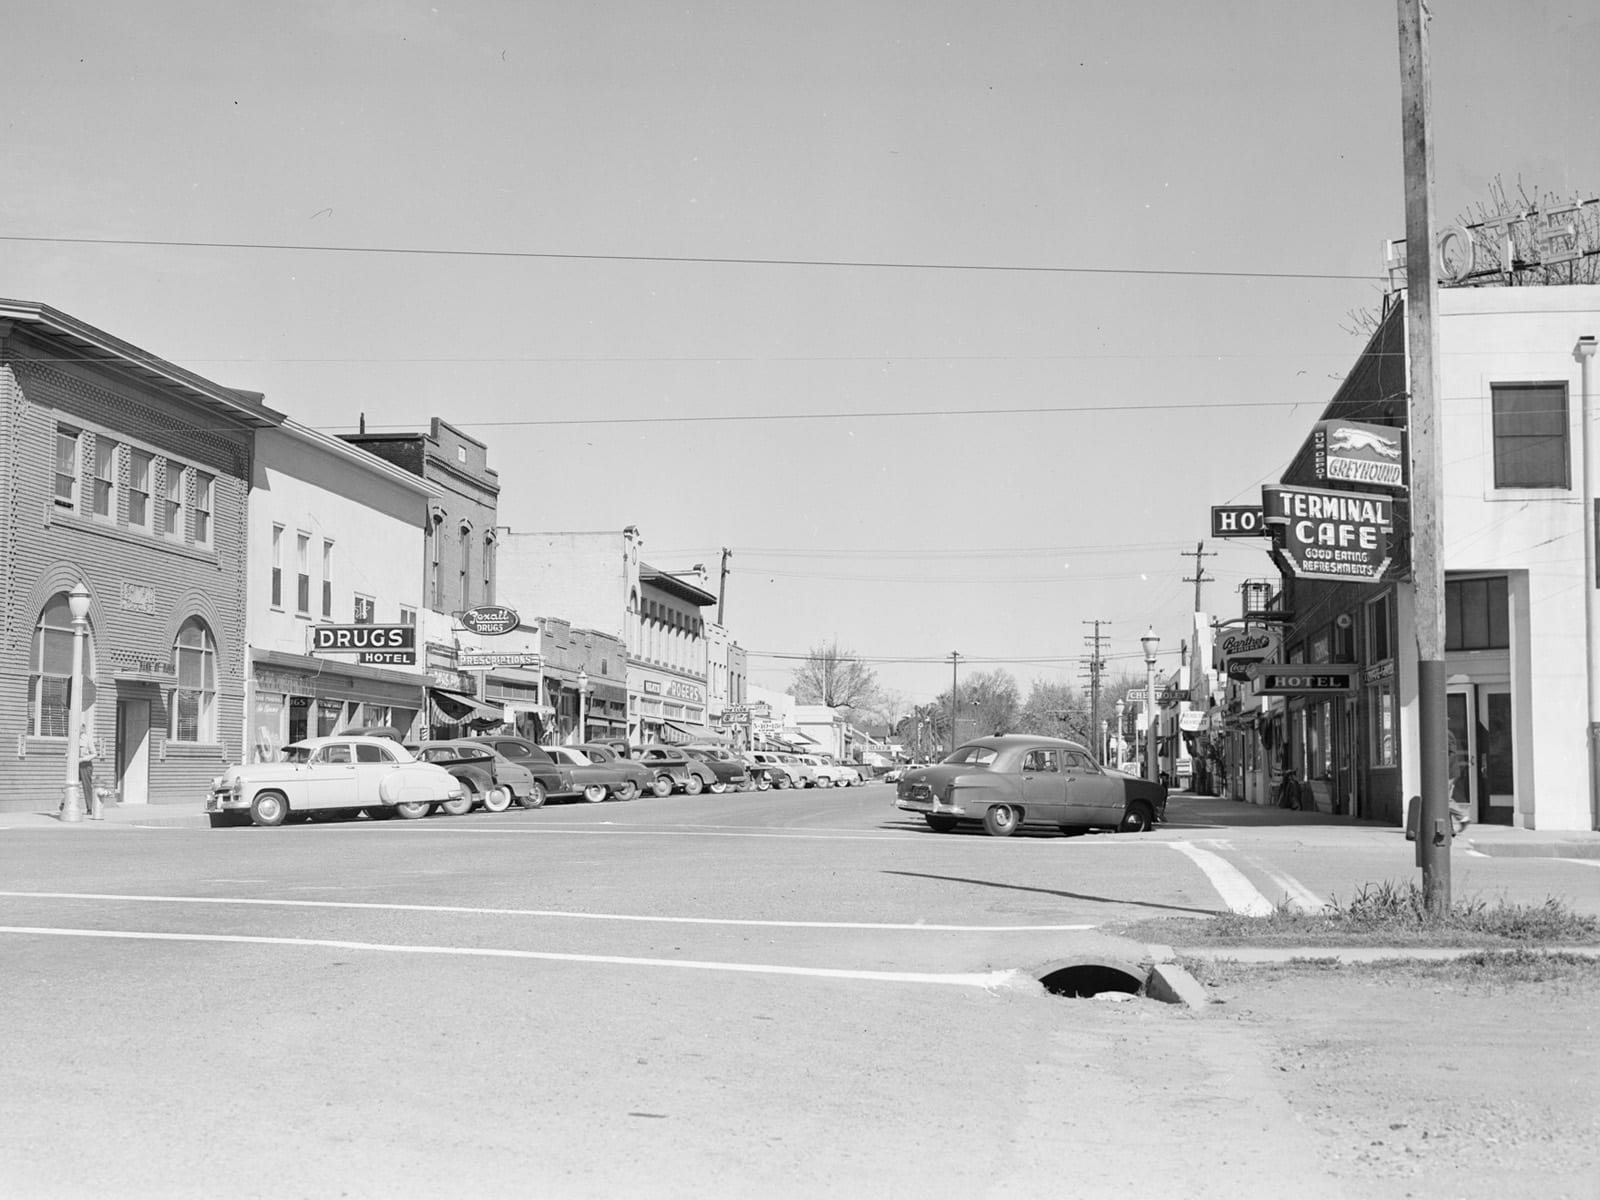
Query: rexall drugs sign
x,y
1330,535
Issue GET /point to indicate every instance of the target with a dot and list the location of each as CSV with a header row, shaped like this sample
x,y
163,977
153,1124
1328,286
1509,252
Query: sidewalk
x,y
183,816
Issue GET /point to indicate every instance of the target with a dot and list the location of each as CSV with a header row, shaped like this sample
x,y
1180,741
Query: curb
x,y
1365,954
1567,849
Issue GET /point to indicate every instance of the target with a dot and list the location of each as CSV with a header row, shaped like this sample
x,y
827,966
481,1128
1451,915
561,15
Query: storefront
x,y
665,708
293,697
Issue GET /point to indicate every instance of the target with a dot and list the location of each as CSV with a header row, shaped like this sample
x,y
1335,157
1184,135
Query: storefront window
x,y
328,714
266,734
1380,708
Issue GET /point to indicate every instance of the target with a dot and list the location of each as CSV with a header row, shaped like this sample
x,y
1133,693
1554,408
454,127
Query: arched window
x,y
50,671
194,703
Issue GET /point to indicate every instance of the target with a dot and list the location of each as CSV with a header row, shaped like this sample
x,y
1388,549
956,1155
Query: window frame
x,y
205,708
327,579
136,455
203,503
105,499
175,502
37,674
1503,444
302,562
74,495
277,566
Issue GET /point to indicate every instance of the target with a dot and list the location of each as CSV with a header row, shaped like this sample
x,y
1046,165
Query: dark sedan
x,y
531,755
1015,780
731,774
641,776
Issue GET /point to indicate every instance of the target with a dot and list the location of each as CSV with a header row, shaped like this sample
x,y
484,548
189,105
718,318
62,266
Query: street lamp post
x,y
72,795
583,706
1149,641
1117,761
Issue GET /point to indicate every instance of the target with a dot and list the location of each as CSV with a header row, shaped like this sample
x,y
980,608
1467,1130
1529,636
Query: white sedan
x,y
330,773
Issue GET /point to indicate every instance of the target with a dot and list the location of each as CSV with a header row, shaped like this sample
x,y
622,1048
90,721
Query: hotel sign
x,y
1353,452
1237,520
1304,679
1330,535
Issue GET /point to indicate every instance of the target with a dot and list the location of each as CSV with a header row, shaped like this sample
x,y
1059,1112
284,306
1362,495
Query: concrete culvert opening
x,y
1083,980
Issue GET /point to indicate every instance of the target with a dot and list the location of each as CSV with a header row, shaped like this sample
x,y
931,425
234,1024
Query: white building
x,y
336,538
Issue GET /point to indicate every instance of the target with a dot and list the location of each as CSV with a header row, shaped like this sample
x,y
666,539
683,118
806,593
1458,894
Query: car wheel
x,y
627,791
595,793
413,810
939,823
1135,820
461,805
717,788
662,786
763,784
534,798
781,782
692,786
497,799
269,808
1001,821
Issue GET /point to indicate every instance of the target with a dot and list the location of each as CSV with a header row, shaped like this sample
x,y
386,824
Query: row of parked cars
x,y
372,771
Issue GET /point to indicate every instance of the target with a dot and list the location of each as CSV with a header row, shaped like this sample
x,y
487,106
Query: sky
x,y
950,322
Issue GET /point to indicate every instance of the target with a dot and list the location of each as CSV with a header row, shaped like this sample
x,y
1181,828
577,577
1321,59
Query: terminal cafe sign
x,y
1330,535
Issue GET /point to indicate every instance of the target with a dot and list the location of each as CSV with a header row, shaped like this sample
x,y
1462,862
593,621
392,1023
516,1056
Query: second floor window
x,y
105,478
1477,614
366,610
408,616
172,504
277,566
327,579
302,598
68,442
205,490
1530,435
140,467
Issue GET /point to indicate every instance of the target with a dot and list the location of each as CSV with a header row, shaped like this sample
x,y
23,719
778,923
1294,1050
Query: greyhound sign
x,y
1354,452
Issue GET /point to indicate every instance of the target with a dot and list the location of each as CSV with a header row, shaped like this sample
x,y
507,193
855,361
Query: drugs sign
x,y
1352,452
1330,535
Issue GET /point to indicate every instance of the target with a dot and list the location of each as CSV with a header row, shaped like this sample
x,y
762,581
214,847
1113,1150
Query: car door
x,y
331,777
1044,786
373,763
1094,797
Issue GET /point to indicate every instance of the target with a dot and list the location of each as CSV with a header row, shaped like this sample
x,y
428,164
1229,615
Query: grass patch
x,y
1490,970
1384,914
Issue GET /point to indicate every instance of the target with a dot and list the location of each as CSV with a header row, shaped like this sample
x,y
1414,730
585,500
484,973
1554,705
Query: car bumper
x,y
932,806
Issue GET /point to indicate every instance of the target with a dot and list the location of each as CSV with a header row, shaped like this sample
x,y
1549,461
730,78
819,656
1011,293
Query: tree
x,y
834,677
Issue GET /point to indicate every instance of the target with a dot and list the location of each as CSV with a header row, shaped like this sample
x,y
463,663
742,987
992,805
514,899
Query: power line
x,y
707,260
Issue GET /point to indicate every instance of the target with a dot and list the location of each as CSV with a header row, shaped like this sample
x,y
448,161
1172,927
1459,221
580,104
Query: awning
x,y
696,733
459,707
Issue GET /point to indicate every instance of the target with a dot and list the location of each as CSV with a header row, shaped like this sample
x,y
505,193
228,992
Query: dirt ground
x,y
1423,1081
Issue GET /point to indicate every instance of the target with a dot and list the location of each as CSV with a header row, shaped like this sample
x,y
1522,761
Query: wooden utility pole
x,y
955,658
1427,456
1096,665
1200,575
722,583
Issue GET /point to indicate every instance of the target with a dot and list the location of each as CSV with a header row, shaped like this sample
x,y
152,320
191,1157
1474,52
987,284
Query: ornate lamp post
x,y
1150,641
583,706
1117,761
72,796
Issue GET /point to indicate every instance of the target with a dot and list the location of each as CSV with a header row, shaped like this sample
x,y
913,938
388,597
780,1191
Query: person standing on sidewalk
x,y
88,751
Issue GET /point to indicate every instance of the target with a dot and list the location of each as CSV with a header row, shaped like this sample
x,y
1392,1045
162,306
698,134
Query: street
x,y
780,993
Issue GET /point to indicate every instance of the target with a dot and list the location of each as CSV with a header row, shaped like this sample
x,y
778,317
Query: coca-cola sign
x,y
1237,650
490,620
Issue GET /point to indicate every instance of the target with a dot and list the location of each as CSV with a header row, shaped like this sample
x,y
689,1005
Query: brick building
x,y
127,475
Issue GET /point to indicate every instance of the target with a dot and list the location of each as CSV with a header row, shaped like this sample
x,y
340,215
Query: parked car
x,y
839,774
627,771
1007,782
892,775
729,769
803,772
688,775
327,774
768,770
593,780
487,776
534,757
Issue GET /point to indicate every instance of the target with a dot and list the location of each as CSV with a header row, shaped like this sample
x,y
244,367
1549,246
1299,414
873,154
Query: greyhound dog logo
x,y
1345,438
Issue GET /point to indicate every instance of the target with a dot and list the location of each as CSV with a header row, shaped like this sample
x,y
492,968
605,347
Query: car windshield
x,y
973,756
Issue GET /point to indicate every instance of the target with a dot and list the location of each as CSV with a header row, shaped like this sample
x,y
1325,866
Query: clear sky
x,y
788,278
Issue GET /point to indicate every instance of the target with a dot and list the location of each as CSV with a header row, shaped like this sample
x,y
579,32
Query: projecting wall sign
x,y
1330,535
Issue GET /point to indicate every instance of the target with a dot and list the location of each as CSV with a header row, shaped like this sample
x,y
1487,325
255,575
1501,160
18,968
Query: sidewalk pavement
x,y
191,815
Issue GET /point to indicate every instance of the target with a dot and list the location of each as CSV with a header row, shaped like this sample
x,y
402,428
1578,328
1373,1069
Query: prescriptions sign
x,y
1330,535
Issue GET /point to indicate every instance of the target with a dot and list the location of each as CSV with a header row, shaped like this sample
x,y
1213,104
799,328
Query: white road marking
x,y
541,912
990,980
1237,892
1296,894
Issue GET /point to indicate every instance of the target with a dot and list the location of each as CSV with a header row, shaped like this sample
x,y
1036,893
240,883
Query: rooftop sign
x,y
1353,452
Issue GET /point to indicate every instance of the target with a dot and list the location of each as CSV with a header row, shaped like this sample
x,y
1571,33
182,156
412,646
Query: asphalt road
x,y
753,994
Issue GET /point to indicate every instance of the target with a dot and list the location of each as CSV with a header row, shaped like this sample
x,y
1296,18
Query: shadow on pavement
x,y
1013,887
